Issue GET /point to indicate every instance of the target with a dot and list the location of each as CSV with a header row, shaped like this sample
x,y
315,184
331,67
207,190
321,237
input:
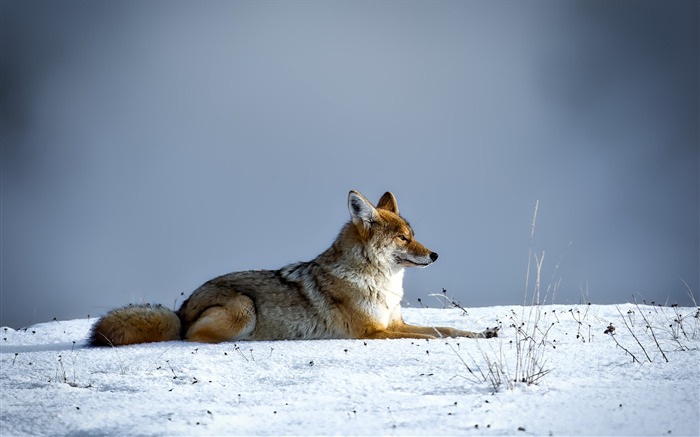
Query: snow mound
x,y
644,379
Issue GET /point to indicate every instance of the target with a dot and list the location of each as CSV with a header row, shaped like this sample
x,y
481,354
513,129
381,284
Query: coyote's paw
x,y
490,332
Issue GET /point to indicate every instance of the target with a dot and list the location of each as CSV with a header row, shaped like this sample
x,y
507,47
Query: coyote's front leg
x,y
385,334
440,331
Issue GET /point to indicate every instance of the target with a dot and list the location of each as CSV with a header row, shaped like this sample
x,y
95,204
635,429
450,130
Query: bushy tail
x,y
136,324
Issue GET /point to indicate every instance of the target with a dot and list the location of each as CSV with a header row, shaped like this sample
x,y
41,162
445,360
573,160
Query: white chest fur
x,y
384,298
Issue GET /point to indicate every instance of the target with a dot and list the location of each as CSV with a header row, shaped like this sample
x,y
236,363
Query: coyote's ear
x,y
388,202
361,210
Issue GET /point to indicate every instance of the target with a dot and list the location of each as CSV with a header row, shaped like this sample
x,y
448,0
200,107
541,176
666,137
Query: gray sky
x,y
150,146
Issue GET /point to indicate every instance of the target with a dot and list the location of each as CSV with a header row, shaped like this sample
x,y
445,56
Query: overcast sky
x,y
150,146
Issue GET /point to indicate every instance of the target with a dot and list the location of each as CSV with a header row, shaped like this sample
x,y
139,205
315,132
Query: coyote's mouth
x,y
405,262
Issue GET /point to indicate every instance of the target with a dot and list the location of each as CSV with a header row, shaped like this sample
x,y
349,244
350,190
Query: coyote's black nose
x,y
433,256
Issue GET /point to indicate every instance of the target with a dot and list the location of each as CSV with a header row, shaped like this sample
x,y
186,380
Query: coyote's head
x,y
386,238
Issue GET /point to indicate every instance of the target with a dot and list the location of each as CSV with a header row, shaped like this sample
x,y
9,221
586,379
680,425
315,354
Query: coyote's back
x,y
351,290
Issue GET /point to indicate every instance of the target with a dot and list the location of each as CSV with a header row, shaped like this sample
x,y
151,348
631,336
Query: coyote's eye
x,y
402,237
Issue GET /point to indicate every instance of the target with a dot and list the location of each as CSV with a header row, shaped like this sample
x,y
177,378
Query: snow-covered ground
x,y
51,384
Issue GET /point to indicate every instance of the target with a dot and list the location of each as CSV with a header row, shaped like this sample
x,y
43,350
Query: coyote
x,y
352,290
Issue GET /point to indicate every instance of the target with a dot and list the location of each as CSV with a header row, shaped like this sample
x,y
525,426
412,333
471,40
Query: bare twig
x,y
633,334
611,331
651,330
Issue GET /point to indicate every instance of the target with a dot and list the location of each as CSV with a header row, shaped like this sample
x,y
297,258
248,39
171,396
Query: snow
x,y
52,384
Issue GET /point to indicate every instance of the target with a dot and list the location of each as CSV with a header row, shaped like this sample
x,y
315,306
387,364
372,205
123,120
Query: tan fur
x,y
136,324
352,290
